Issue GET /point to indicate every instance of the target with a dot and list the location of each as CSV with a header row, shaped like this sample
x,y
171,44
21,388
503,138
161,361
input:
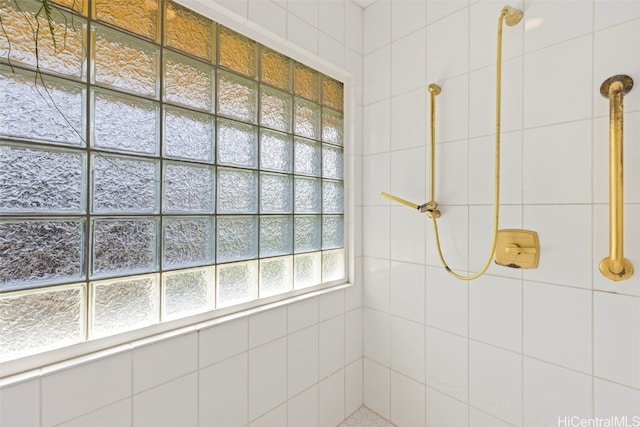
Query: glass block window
x,y
155,165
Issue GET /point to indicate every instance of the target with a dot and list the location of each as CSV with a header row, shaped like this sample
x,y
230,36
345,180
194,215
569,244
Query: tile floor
x,y
366,417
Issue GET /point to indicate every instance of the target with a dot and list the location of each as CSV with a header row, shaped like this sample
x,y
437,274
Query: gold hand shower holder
x,y
615,266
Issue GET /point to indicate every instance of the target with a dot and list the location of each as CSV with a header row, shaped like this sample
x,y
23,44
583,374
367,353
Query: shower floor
x,y
365,417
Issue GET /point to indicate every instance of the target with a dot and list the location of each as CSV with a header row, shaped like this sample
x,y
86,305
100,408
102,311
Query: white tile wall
x,y
20,404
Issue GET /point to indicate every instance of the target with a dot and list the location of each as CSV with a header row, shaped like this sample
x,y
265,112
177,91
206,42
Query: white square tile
x,y
305,9
331,350
267,377
444,411
158,363
407,401
353,335
453,228
407,286
269,15
332,400
611,12
331,304
352,386
376,283
353,26
377,388
408,171
408,124
616,344
408,62
377,73
267,326
301,33
117,414
495,382
276,417
353,295
446,302
436,10
235,336
303,408
223,392
377,25
408,348
557,325
448,59
302,314
376,232
407,228
552,393
447,361
495,311
331,50
482,419
615,400
451,167
377,336
20,404
377,179
171,404
302,360
559,21
239,7
377,128
407,16
332,18
452,110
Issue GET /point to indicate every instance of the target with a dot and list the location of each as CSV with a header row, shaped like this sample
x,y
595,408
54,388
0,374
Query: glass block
x,y
307,270
188,135
307,195
33,180
122,305
275,151
34,321
237,283
42,251
307,155
275,109
237,97
237,52
123,245
307,119
189,32
332,162
275,193
125,62
21,96
188,82
188,188
237,191
275,69
332,93
237,144
63,53
276,235
276,276
332,197
333,265
124,184
78,5
125,123
140,17
237,238
307,233
188,241
332,231
307,82
187,292
332,127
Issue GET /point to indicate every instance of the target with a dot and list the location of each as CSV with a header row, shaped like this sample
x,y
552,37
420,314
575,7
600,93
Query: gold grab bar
x,y
615,266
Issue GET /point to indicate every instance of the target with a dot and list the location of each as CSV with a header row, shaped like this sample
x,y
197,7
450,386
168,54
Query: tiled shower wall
x,y
514,347
297,365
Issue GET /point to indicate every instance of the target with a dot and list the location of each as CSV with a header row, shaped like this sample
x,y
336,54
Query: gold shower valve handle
x,y
516,249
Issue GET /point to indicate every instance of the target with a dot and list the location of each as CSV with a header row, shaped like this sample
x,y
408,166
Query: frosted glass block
x,y
125,62
42,251
188,241
34,321
275,69
140,17
237,97
125,123
237,191
307,233
307,195
333,265
79,5
188,82
275,193
307,119
332,93
237,238
188,188
188,135
237,143
276,235
332,197
332,231
187,292
122,305
332,162
237,283
307,155
19,22
189,32
307,270
237,52
124,184
307,82
332,127
123,245
33,180
275,151
276,276
275,109
22,96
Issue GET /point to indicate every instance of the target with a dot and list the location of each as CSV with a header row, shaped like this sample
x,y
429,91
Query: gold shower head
x,y
511,15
